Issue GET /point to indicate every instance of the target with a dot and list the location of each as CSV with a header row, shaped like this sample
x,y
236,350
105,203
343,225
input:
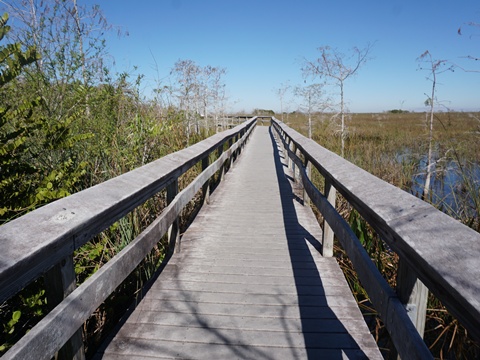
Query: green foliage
x,y
370,241
9,328
260,112
12,58
37,155
24,311
17,125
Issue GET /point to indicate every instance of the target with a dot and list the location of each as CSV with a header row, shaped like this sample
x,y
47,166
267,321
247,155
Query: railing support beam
x,y
222,169
173,230
413,294
328,235
308,171
206,186
60,281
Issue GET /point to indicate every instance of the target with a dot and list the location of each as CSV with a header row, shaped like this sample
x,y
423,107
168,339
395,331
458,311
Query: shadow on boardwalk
x,y
310,303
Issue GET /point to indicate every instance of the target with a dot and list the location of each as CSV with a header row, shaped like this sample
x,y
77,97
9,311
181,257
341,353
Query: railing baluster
x,y
60,281
206,186
308,170
413,294
327,243
222,169
293,149
173,230
232,156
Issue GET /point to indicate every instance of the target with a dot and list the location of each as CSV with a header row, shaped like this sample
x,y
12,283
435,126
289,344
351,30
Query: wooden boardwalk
x,y
248,282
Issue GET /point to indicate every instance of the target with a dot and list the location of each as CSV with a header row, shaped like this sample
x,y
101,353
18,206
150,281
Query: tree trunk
x,y
430,163
342,115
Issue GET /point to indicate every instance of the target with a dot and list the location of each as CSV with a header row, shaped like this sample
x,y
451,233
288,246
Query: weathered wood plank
x,y
59,283
215,287
237,336
327,242
249,323
278,311
413,294
131,347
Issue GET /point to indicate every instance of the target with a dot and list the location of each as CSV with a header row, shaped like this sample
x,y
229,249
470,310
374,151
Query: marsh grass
x,y
392,146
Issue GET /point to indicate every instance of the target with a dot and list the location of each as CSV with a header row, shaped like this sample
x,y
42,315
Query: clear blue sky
x,y
262,43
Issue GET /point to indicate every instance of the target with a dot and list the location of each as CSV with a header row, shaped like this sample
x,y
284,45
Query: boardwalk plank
x,y
143,349
280,311
208,334
249,288
246,322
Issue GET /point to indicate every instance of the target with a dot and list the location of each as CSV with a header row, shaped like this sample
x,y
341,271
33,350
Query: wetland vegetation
x,y
393,146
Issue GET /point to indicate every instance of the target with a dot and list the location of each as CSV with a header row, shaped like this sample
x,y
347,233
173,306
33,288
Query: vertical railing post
x,y
288,147
231,157
173,230
293,149
327,243
413,294
206,186
308,171
60,281
241,142
222,168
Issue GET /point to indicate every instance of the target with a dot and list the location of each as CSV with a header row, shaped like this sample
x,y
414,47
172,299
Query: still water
x,y
454,187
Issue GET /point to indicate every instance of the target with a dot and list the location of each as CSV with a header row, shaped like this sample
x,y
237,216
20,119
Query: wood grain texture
x,y
443,253
249,281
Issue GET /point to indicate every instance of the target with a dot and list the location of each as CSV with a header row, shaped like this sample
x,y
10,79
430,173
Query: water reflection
x,y
454,187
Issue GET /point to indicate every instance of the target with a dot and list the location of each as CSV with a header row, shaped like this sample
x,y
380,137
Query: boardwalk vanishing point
x,y
249,281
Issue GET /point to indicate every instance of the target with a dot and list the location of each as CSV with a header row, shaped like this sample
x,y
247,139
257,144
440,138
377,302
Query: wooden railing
x,y
434,249
42,242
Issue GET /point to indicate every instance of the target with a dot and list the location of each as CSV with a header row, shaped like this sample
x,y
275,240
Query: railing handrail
x,y
36,241
44,238
443,253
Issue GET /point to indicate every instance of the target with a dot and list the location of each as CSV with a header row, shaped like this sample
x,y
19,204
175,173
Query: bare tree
x,y
70,40
313,100
219,94
186,73
434,68
334,66
199,90
281,93
213,91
